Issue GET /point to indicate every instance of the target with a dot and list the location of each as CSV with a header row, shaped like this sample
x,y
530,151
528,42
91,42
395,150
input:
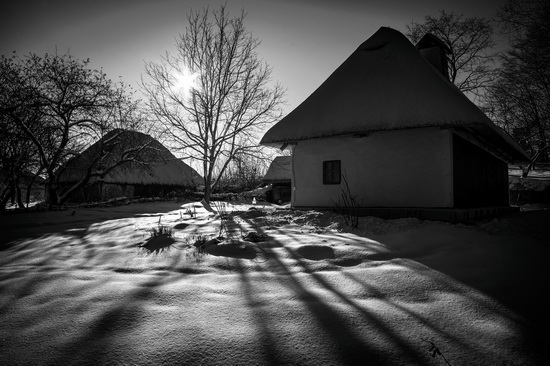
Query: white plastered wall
x,y
407,168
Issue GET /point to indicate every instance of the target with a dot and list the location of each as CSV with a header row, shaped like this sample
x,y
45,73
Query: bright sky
x,y
304,41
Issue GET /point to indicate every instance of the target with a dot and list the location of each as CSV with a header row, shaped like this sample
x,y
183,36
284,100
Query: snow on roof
x,y
159,165
279,170
384,85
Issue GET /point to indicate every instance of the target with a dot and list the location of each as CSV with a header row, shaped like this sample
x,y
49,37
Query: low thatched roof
x,y
153,163
386,85
280,170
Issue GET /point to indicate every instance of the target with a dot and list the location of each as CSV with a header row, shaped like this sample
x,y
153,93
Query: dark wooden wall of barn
x,y
279,192
100,192
479,178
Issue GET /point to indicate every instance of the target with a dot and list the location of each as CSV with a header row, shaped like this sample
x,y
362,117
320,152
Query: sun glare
x,y
184,81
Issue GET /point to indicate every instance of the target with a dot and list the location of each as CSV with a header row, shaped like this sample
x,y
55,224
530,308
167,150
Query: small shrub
x,y
195,245
199,243
350,207
191,213
221,208
160,230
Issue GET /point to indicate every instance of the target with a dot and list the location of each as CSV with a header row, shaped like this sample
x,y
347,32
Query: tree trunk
x,y
28,195
543,146
12,192
53,195
18,195
207,192
5,196
30,185
53,199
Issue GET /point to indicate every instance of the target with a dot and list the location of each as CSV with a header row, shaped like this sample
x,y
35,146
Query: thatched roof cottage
x,y
153,171
407,141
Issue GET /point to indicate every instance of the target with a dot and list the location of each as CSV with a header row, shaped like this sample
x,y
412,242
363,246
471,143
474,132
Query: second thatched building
x,y
126,163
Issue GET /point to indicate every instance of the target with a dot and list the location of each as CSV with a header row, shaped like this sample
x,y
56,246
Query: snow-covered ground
x,y
95,287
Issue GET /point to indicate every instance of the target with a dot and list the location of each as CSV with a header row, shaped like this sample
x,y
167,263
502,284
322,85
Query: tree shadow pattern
x,y
342,321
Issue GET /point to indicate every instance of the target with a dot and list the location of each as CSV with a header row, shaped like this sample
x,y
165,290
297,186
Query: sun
x,y
184,81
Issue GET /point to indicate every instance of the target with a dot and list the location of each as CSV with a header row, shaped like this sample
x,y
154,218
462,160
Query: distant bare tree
x,y
524,19
60,106
17,158
470,41
230,99
18,155
519,101
244,173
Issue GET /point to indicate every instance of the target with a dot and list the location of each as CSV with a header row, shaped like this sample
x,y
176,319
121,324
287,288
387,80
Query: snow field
x,y
103,291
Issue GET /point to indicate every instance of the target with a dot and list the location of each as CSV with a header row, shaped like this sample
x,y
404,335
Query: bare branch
x,y
231,100
470,41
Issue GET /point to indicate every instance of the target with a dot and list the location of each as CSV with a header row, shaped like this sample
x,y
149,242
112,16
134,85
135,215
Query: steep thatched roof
x,y
386,85
153,163
280,170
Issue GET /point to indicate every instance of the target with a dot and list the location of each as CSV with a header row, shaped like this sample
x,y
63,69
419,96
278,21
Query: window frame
x,y
330,168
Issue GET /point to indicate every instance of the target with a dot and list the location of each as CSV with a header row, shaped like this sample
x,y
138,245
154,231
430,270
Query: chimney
x,y
435,52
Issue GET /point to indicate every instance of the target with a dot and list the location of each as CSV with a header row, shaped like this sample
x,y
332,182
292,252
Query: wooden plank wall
x,y
479,178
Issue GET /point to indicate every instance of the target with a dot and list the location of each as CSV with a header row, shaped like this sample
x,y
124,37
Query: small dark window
x,y
331,172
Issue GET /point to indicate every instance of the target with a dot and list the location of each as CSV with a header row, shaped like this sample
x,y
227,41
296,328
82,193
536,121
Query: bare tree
x,y
519,101
17,159
60,106
244,173
521,19
18,156
230,100
470,41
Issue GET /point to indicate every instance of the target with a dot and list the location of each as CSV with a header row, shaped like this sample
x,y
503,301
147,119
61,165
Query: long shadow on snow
x,y
92,347
351,349
271,356
443,281
32,224
528,299
405,350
